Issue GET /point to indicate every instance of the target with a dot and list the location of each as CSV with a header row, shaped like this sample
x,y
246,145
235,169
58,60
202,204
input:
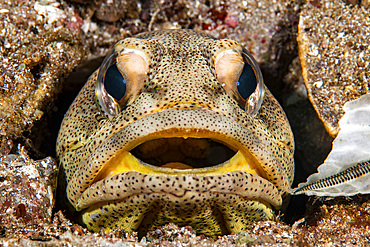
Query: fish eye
x,y
114,82
241,77
250,84
120,78
110,86
247,82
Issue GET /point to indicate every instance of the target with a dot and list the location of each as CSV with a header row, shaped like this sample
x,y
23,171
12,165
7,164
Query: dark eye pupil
x,y
247,82
114,82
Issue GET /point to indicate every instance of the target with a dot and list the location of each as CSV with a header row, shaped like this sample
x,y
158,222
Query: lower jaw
x,y
208,213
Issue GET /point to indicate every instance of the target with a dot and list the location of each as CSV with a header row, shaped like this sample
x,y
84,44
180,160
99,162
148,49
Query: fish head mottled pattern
x,y
176,126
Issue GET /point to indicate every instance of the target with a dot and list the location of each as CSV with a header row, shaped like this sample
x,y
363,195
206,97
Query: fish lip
x,y
181,186
219,123
188,133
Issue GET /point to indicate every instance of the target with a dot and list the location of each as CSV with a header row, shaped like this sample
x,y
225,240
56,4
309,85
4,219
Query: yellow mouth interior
x,y
181,155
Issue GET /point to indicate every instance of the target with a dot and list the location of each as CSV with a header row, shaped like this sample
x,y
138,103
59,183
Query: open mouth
x,y
194,152
198,148
177,179
183,153
198,162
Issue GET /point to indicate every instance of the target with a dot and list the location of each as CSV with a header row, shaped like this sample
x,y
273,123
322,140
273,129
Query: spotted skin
x,y
180,97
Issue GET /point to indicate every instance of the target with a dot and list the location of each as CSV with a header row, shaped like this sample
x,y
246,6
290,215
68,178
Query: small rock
x,y
26,189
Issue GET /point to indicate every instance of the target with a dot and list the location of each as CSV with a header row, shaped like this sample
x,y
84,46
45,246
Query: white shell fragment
x,y
50,12
346,170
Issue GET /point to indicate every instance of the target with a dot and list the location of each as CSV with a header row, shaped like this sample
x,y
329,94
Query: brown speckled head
x,y
164,133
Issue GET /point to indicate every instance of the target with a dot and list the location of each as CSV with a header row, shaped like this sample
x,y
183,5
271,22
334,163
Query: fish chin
x,y
208,212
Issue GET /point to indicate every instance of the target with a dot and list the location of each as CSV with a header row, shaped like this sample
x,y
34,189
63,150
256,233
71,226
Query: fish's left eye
x,y
241,77
247,82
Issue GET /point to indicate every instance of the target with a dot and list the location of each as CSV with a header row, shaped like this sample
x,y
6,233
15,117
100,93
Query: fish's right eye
x,y
120,78
107,98
114,83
